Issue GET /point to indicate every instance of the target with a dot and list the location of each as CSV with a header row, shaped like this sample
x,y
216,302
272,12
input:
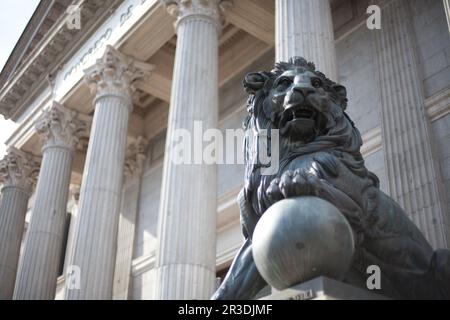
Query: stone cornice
x,y
438,105
114,74
146,262
143,264
372,141
61,127
44,61
19,169
39,24
119,28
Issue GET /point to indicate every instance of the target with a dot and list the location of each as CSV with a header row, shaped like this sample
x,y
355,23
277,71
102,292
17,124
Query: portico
x,y
143,71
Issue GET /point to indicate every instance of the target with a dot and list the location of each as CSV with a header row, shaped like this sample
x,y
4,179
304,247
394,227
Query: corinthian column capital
x,y
135,157
208,10
62,127
114,74
19,169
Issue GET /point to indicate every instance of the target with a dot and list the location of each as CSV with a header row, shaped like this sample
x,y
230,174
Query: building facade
x,y
92,205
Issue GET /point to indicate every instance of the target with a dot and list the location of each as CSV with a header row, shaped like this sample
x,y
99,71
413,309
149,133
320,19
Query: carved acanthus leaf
x,y
19,169
62,127
74,191
135,157
115,74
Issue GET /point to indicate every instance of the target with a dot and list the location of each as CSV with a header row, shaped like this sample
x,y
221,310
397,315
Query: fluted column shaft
x,y
97,222
74,196
134,165
42,252
413,178
39,265
100,199
16,172
185,263
13,209
305,28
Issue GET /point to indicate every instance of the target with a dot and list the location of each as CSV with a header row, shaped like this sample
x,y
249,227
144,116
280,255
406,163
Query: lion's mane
x,y
343,140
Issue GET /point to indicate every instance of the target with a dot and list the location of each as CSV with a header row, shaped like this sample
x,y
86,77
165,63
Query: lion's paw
x,y
293,184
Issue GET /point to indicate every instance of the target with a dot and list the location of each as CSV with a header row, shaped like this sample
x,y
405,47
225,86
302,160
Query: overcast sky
x,y
14,16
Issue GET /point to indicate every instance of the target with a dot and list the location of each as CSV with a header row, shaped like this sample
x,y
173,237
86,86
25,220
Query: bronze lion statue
x,y
319,155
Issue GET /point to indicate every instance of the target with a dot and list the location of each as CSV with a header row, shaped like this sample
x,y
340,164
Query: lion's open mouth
x,y
303,112
301,122
298,114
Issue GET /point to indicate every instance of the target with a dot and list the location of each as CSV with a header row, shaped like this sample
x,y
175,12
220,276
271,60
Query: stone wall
x,y
356,63
433,39
148,212
441,130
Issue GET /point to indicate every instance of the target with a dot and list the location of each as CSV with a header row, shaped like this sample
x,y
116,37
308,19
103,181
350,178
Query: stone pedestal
x,y
185,263
323,288
17,173
305,28
95,245
60,129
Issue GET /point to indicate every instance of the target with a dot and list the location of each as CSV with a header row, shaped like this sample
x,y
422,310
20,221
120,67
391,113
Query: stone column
x,y
185,263
60,129
18,171
95,244
305,28
134,165
413,177
74,196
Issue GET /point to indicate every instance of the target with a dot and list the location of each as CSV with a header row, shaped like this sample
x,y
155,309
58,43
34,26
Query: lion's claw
x,y
293,184
273,191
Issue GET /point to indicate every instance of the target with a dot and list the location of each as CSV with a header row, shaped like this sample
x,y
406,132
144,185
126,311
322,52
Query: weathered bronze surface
x,y
299,239
320,156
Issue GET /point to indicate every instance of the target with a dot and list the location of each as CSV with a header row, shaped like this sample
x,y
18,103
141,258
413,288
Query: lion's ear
x,y
254,81
340,90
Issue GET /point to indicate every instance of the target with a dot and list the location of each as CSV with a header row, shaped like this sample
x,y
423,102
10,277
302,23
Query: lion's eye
x,y
285,82
316,83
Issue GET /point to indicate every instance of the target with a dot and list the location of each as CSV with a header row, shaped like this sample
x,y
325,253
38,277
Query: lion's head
x,y
307,108
299,101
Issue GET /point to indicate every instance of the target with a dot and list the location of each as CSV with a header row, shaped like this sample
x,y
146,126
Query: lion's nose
x,y
304,90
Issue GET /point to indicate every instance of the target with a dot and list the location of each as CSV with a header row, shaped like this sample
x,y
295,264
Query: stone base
x,y
323,288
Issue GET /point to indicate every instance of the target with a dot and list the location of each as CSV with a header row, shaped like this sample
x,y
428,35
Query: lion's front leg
x,y
243,281
293,184
302,183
